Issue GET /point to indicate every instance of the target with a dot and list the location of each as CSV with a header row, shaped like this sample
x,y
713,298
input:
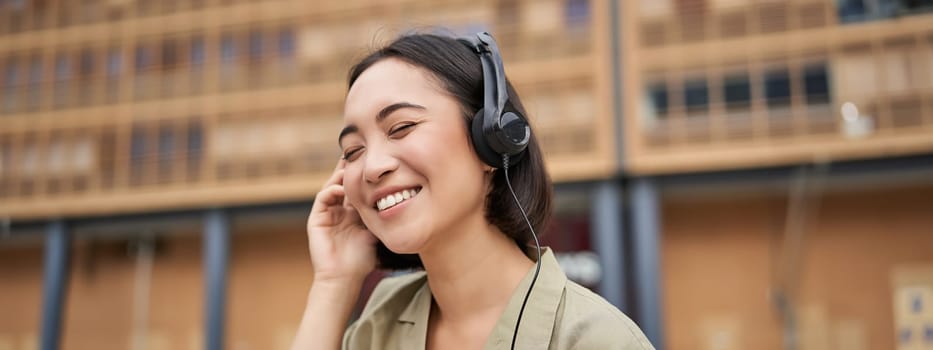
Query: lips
x,y
394,198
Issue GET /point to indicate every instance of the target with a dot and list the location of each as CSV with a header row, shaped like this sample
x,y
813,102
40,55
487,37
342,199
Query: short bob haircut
x,y
459,71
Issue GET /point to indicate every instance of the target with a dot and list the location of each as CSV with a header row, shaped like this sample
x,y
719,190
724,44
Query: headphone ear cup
x,y
516,133
480,144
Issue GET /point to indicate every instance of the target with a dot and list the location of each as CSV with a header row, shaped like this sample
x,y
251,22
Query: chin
x,y
399,236
401,241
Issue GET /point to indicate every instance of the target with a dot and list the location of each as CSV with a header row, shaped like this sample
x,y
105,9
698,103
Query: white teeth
x,y
395,198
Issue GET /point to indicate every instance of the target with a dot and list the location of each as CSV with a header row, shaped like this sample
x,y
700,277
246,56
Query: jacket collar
x,y
537,320
540,311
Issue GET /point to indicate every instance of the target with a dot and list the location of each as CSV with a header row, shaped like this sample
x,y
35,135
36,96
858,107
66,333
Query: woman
x,y
412,191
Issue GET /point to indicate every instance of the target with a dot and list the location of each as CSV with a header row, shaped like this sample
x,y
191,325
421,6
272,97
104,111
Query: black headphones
x,y
500,134
498,129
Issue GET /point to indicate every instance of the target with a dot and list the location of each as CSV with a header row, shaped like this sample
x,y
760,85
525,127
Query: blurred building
x,y
733,174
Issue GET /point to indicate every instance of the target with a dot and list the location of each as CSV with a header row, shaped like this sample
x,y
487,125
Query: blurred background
x,y
733,174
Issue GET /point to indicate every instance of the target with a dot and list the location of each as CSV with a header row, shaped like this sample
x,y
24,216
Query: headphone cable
x,y
505,167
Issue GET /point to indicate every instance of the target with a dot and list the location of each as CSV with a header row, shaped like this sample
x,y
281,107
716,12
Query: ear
x,y
489,174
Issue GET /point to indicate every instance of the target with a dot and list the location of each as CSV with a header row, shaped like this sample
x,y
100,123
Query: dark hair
x,y
459,71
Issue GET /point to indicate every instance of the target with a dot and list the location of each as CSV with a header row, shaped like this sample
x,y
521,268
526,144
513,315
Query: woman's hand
x,y
342,248
342,254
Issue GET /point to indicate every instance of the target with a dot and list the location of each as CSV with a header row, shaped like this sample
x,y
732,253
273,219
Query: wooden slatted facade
x,y
211,103
741,84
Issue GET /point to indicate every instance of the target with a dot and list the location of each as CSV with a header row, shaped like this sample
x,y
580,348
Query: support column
x,y
606,220
216,256
55,283
646,253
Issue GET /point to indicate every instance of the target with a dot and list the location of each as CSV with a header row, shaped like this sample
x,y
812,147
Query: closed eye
x,y
401,130
351,154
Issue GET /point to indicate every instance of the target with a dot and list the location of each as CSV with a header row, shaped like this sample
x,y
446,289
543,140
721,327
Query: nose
x,y
378,164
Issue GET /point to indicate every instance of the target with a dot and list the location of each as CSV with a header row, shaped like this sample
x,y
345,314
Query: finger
x,y
341,163
330,196
353,217
336,178
341,167
346,203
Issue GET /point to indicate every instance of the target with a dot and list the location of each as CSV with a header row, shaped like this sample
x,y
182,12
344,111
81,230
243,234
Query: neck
x,y
473,271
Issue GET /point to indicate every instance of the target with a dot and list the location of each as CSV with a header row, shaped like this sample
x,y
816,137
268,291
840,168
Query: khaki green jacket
x,y
560,314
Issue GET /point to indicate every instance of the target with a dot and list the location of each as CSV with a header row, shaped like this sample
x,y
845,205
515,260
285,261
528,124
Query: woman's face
x,y
411,172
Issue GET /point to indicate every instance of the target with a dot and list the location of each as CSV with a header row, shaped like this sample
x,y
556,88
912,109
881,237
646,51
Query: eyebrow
x,y
382,115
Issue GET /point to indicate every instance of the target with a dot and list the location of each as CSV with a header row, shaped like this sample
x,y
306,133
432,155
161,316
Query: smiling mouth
x,y
396,198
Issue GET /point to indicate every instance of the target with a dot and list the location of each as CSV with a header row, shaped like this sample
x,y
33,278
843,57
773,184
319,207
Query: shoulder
x,y
393,294
590,322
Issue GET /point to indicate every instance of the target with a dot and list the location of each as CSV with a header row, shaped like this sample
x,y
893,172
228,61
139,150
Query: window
x,y
577,12
10,73
166,151
56,155
228,53
195,138
851,10
142,85
286,42
816,83
114,63
737,91
169,54
696,95
227,48
917,6
62,76
139,152
194,147
10,80
196,59
40,12
255,45
197,51
169,60
35,81
777,88
29,158
107,153
657,94
86,63
143,59
62,68
35,69
6,159
114,68
862,10
166,143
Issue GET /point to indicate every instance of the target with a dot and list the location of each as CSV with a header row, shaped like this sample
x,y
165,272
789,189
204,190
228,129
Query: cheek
x,y
446,157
